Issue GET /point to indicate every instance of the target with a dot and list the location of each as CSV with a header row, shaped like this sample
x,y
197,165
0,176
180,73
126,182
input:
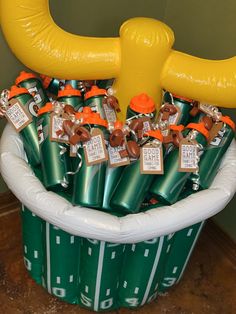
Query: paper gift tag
x,y
174,118
151,159
17,115
115,159
147,125
109,113
56,129
95,149
217,127
188,155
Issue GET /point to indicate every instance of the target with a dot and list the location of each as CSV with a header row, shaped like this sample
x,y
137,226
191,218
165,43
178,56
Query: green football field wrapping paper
x,y
32,232
61,266
142,271
181,249
100,275
100,267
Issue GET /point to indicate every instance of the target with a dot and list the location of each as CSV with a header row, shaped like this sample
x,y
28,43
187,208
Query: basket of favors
x,y
111,210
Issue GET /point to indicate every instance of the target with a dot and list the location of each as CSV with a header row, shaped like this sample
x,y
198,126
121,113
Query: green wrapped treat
x,y
29,134
34,85
71,96
54,157
94,99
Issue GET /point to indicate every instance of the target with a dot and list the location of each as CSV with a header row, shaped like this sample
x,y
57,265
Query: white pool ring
x,y
96,224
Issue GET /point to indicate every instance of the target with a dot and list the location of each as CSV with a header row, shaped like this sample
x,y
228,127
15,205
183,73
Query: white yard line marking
x,y
71,278
48,258
168,248
190,252
99,275
175,270
170,236
154,268
58,239
189,232
156,286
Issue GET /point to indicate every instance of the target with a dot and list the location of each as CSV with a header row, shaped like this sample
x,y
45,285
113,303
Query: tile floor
x,y
208,285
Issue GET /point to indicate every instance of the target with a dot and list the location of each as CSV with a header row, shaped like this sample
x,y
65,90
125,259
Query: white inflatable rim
x,y
103,226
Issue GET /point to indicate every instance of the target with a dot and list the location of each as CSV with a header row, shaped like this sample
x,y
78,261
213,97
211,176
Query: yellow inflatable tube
x,y
209,81
46,48
141,59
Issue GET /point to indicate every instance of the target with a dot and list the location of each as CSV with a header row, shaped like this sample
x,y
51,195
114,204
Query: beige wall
x,y
203,28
